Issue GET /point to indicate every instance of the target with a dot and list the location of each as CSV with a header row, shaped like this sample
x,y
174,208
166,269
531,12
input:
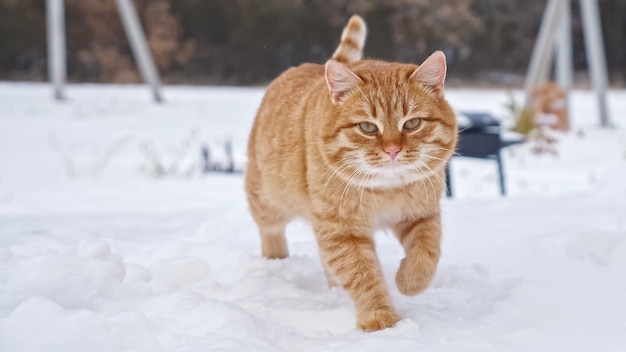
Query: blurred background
x,y
248,42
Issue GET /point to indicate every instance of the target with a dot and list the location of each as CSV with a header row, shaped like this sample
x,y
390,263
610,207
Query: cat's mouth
x,y
396,163
403,168
399,162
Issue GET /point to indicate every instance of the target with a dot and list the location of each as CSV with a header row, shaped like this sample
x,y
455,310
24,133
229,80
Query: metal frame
x,y
556,24
57,71
497,157
139,46
57,67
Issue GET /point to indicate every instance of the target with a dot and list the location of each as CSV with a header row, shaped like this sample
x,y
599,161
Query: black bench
x,y
480,137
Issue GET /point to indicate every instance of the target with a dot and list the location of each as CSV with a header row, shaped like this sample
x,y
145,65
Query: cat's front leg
x,y
421,240
353,262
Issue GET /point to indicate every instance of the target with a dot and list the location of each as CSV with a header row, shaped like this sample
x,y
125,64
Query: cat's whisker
x,y
429,157
432,187
426,189
364,182
433,158
362,189
347,162
454,152
434,173
422,176
335,172
343,162
347,188
429,170
351,182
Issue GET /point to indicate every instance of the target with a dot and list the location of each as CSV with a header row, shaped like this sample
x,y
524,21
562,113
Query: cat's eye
x,y
368,127
412,124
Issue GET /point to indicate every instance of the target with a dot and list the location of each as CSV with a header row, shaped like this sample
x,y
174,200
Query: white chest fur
x,y
387,217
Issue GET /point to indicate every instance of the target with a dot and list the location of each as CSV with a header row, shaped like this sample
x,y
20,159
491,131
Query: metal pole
x,y
542,51
57,70
139,46
564,66
595,54
564,56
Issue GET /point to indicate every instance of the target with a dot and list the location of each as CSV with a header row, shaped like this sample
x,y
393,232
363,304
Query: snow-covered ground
x,y
99,254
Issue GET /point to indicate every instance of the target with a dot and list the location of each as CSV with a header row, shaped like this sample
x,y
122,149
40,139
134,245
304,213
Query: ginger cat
x,y
355,146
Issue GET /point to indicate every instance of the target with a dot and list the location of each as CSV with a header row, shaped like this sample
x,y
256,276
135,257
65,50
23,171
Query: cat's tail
x,y
352,41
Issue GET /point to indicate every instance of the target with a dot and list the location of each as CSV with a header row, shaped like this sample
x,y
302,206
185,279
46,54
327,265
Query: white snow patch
x,y
97,254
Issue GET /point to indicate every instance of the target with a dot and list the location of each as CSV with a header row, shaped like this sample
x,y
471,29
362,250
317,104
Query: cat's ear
x,y
432,72
339,79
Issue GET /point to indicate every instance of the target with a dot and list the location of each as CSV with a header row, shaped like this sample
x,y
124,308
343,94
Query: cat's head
x,y
390,124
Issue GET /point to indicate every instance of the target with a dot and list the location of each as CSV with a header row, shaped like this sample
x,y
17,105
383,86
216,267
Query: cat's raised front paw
x,y
377,320
413,279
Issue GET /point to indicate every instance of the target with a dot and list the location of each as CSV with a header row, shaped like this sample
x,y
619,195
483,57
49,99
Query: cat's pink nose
x,y
392,151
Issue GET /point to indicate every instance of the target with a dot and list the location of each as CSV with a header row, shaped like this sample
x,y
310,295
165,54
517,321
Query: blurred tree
x,y
96,43
251,41
22,39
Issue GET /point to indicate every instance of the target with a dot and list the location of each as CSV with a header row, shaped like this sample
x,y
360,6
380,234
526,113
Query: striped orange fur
x,y
352,41
354,146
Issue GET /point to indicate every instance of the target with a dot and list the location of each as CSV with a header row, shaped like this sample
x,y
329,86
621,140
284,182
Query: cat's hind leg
x,y
271,225
273,242
270,220
330,277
